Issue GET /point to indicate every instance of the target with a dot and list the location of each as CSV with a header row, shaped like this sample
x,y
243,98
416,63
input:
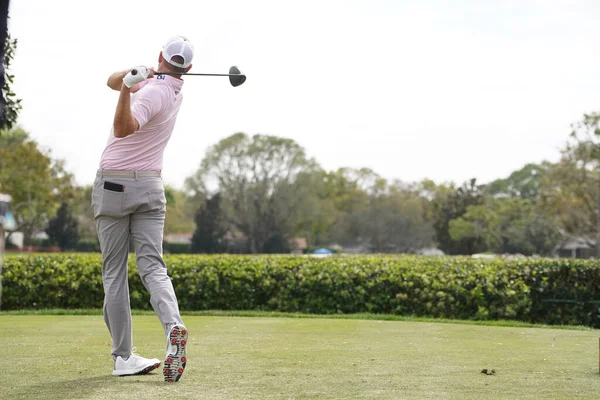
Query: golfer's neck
x,y
163,68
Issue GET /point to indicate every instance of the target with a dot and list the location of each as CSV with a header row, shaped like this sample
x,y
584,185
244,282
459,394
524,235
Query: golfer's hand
x,y
137,75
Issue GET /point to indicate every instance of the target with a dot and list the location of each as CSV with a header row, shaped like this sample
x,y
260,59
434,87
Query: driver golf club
x,y
236,78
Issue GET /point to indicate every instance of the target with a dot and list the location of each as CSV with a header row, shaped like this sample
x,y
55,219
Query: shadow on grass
x,y
63,389
85,387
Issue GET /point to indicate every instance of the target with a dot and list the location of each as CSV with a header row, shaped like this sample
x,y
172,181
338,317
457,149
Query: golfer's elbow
x,y
113,83
121,131
124,127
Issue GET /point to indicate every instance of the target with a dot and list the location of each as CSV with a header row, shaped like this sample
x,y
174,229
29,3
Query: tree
x,y
81,207
394,221
448,204
571,190
63,229
180,212
476,227
211,228
507,225
257,179
277,244
364,210
37,183
10,104
540,235
524,183
316,214
348,191
569,194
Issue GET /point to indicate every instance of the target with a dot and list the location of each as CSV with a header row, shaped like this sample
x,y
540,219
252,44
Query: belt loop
x,y
102,173
135,174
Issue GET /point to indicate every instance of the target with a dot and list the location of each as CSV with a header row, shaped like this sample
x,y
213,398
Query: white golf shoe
x,y
134,365
175,359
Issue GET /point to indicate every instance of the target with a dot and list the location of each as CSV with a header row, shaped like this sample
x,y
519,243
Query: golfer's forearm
x,y
115,80
124,123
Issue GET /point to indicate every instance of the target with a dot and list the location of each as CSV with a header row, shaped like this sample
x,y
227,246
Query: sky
x,y
413,89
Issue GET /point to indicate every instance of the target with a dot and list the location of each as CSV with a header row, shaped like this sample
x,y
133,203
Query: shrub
x,y
450,287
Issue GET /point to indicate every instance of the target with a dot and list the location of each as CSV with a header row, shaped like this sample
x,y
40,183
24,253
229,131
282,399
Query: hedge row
x,y
552,291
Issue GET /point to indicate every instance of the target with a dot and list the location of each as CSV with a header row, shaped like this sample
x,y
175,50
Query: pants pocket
x,y
107,203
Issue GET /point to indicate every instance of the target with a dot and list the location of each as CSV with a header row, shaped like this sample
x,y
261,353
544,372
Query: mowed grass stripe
x,y
67,357
275,314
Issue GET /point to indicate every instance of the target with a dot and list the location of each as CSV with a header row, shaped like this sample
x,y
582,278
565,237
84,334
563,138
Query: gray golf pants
x,y
130,205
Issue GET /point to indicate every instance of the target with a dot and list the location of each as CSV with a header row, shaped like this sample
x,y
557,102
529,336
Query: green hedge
x,y
450,287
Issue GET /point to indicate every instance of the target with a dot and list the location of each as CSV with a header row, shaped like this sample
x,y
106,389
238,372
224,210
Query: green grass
x,y
67,357
276,314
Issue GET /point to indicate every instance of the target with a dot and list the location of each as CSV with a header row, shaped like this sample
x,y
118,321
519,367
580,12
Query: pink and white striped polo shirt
x,y
155,106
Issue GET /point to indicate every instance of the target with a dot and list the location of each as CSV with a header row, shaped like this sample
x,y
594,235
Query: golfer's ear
x,y
188,68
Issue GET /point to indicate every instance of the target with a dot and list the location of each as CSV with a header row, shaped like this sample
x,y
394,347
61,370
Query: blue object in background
x,y
322,251
9,222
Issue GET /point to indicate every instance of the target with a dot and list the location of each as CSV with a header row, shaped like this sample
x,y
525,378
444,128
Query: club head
x,y
236,80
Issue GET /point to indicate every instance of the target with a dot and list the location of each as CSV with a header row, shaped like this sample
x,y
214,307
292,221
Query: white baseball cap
x,y
178,46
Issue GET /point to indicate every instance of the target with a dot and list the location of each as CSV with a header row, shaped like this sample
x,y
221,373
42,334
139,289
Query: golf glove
x,y
136,75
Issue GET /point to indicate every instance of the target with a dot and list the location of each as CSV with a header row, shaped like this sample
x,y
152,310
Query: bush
x,y
450,287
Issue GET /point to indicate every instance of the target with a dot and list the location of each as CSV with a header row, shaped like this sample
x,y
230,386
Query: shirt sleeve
x,y
147,105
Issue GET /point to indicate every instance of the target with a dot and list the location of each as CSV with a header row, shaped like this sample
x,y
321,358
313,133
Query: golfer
x,y
129,205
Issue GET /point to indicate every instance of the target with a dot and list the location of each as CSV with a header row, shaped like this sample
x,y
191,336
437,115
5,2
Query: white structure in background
x,y
485,255
430,251
16,239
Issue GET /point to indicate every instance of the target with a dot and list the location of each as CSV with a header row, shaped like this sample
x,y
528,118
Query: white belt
x,y
107,173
